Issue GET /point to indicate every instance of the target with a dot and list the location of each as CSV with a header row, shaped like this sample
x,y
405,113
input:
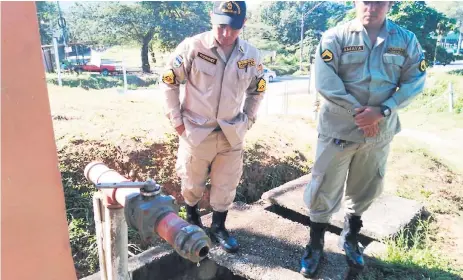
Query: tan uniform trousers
x,y
214,157
364,166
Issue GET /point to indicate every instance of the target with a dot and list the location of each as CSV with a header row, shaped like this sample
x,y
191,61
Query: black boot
x,y
220,234
349,242
314,250
192,216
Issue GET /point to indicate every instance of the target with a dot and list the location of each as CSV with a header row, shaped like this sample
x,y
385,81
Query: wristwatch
x,y
385,111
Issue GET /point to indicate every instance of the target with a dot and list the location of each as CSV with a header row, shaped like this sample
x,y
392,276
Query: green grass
x,y
413,254
89,81
434,98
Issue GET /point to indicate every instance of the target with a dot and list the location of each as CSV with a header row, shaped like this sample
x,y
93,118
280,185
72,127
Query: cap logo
x,y
227,7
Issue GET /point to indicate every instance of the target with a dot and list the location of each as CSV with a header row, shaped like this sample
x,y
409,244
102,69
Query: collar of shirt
x,y
357,26
212,43
387,28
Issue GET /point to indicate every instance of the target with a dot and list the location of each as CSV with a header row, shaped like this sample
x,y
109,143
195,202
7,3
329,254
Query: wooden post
x,y
98,210
58,66
450,97
116,243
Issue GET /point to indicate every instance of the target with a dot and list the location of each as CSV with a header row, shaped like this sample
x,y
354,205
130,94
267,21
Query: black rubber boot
x,y
192,215
220,234
349,242
314,250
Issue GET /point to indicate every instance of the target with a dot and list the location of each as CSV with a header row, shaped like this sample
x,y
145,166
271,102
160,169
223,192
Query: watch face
x,y
387,112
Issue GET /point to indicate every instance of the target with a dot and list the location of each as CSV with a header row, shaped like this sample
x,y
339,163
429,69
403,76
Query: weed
x,y
413,255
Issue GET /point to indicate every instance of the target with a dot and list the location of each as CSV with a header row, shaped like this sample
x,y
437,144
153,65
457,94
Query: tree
x,y
452,9
421,20
115,23
47,15
298,25
285,17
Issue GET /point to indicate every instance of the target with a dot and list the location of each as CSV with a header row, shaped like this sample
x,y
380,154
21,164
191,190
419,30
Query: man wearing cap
x,y
366,69
220,72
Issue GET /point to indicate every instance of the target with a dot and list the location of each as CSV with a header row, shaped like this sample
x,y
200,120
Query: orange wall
x,y
34,236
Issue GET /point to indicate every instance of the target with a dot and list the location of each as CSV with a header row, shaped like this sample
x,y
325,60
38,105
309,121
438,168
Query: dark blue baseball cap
x,y
232,13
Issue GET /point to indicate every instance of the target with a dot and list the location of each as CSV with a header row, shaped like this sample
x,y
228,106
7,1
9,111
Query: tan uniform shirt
x,y
215,88
351,73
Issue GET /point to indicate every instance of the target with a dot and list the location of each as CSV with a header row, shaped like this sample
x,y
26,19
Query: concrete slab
x,y
385,217
271,246
150,262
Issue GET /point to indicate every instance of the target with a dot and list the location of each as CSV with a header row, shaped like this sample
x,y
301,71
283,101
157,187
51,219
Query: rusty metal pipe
x,y
97,172
151,215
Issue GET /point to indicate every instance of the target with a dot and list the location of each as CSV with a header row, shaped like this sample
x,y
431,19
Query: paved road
x,y
456,65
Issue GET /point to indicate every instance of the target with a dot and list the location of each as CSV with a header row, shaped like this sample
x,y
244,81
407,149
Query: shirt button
x,y
349,111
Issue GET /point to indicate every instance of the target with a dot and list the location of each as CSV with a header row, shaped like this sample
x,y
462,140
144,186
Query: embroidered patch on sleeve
x,y
327,55
169,77
353,49
247,62
178,61
422,65
261,85
207,58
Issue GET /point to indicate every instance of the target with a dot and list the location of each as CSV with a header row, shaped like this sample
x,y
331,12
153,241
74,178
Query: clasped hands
x,y
367,119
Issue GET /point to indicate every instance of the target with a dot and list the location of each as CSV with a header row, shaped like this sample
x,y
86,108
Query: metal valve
x,y
150,212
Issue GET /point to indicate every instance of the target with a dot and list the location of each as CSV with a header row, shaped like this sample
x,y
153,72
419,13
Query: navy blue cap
x,y
232,13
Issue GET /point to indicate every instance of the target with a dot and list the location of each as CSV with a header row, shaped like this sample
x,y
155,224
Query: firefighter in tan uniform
x,y
366,70
224,86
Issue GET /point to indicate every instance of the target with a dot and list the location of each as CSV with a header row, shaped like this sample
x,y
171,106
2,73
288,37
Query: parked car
x,y
269,75
105,68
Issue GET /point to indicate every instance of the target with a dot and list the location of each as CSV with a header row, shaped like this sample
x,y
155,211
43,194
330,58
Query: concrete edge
x,y
288,186
141,260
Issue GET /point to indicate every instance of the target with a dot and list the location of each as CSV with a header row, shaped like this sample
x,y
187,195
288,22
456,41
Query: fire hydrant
x,y
145,209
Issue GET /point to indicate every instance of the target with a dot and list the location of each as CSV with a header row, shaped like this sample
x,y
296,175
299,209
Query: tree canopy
x,y
118,23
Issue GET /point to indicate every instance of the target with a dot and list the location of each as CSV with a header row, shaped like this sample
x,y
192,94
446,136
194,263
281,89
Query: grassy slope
x,y
130,133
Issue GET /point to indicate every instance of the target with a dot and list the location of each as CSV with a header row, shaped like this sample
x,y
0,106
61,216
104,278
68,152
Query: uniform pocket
x,y
311,190
244,80
202,75
353,58
393,66
351,66
195,118
397,60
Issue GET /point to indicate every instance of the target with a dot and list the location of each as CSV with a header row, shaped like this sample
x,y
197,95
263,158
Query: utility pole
x,y
460,37
62,24
303,15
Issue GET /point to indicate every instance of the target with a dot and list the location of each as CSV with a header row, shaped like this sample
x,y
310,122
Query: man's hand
x,y
366,116
180,129
370,130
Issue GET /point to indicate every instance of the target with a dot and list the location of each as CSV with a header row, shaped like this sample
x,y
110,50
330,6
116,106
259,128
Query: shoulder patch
x,y
207,58
169,77
178,61
245,63
261,85
422,67
327,55
353,49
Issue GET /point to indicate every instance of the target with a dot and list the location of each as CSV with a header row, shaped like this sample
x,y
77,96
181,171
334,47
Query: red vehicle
x,y
104,68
